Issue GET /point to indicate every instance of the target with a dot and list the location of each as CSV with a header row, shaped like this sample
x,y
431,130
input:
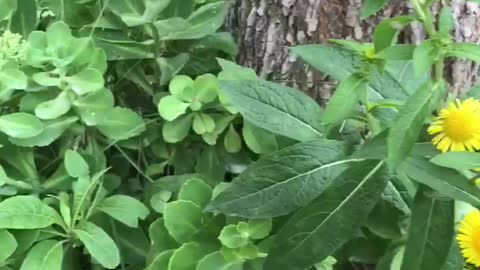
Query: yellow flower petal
x,y
469,237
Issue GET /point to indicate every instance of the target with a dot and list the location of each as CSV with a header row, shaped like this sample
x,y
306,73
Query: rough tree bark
x,y
266,28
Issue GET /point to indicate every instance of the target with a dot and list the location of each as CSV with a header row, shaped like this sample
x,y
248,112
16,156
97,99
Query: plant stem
x,y
155,46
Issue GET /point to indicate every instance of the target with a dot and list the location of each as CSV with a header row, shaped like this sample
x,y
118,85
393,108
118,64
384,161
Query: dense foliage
x,y
131,140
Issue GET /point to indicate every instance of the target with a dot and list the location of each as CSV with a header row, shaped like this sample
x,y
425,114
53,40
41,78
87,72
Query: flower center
x,y
461,126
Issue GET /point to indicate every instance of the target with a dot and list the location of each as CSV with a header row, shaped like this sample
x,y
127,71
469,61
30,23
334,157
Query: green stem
x,y
19,184
156,44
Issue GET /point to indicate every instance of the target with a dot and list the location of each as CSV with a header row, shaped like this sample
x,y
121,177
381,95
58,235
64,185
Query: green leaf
x,y
13,79
75,165
424,56
454,259
99,244
259,228
52,131
446,23
46,79
344,99
216,261
92,107
467,51
54,108
203,123
318,230
196,191
259,140
290,112
202,22
46,255
180,86
161,260
170,108
270,186
178,129
59,37
183,220
87,81
170,67
397,52
458,160
370,7
161,239
7,8
446,181
124,209
187,256
25,20
131,12
121,124
232,238
411,115
326,264
9,245
153,8
26,212
232,142
386,32
21,125
431,232
206,88
341,63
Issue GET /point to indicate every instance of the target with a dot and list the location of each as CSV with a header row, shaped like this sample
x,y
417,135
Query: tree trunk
x,y
267,28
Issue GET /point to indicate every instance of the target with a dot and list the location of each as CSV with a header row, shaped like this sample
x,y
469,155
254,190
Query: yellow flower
x,y
469,237
457,128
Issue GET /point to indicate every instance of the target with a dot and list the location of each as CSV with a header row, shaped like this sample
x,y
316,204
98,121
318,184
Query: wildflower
x,y
469,237
457,128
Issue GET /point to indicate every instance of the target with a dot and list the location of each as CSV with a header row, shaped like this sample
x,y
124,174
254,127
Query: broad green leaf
x,y
53,130
153,8
131,12
206,88
458,160
454,259
397,52
26,212
46,79
341,63
25,20
431,232
216,261
344,99
7,8
446,181
258,228
124,209
424,56
232,141
258,140
99,244
124,50
178,129
54,108
92,107
370,7
13,79
59,37
231,71
290,112
187,256
75,164
46,255
183,220
20,125
231,237
386,32
446,22
160,238
412,115
269,187
161,260
326,264
202,22
203,123
196,191
180,85
9,245
170,108
121,124
87,81
169,67
318,230
469,51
